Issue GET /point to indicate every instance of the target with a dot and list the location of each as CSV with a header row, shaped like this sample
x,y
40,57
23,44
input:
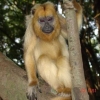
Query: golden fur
x,y
47,53
42,11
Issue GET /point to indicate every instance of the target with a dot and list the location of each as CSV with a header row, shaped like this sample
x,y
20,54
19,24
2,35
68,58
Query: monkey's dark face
x,y
46,23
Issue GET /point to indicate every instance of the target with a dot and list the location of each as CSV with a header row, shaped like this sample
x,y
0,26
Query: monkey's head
x,y
45,22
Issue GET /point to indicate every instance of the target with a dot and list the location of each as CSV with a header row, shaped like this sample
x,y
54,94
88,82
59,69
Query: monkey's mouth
x,y
48,30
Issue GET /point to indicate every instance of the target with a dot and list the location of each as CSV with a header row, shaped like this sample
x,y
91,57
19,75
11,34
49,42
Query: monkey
x,y
46,51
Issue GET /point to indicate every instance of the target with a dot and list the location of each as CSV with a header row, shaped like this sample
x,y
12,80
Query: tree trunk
x,y
79,91
13,82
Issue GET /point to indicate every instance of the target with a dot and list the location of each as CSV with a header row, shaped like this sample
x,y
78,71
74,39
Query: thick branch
x,y
13,82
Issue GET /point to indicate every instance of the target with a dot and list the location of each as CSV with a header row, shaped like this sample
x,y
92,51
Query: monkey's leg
x,y
64,77
64,72
51,73
48,70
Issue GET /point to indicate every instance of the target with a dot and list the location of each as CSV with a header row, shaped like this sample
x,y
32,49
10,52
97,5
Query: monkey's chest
x,y
50,49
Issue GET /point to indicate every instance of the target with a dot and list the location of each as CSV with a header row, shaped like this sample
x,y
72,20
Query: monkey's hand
x,y
68,5
32,92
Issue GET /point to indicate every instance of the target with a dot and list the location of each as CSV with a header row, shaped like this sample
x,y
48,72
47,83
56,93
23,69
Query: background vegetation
x,y
12,29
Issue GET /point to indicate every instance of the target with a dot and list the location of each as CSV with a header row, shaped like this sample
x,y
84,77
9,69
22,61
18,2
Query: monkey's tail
x,y
62,98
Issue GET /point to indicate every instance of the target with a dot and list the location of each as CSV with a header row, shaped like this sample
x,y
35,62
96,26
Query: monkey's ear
x,y
56,7
32,11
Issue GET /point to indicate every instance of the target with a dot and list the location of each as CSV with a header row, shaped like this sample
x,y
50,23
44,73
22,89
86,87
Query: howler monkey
x,y
45,49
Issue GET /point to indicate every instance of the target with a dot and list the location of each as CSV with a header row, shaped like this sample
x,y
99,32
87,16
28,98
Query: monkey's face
x,y
46,23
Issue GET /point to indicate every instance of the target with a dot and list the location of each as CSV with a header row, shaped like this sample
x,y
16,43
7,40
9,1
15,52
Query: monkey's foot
x,y
32,92
64,95
64,90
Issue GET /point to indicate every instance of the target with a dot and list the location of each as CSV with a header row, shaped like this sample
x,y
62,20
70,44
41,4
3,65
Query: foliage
x,y
42,1
12,28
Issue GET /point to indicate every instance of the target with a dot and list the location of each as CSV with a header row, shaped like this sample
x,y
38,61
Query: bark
x,y
79,91
13,82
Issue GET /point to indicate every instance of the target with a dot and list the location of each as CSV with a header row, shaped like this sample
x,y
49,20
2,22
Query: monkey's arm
x,y
29,44
30,63
78,16
63,26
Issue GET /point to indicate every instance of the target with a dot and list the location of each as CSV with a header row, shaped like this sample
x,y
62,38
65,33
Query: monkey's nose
x,y
48,29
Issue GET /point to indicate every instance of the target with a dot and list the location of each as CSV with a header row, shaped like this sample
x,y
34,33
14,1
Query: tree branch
x,y
78,80
13,82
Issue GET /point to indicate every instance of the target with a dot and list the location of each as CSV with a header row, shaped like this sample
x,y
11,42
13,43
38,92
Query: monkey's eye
x,y
42,20
50,19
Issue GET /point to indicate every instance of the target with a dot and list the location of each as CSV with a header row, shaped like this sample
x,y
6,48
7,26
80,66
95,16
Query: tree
x,y
78,80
